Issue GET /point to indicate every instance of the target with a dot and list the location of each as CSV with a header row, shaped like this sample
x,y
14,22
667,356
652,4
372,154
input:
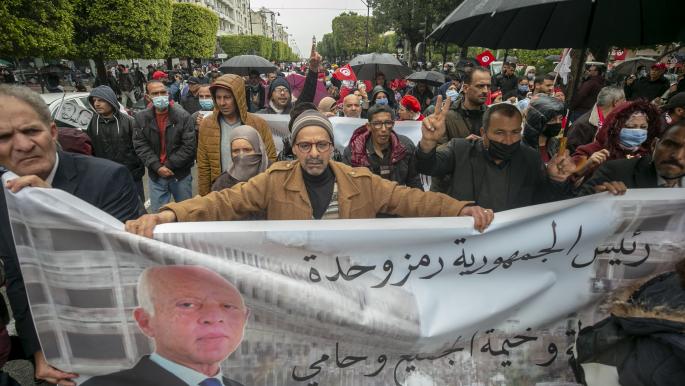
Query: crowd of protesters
x,y
488,143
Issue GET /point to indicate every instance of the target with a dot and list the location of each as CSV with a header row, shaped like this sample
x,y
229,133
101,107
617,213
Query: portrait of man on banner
x,y
195,318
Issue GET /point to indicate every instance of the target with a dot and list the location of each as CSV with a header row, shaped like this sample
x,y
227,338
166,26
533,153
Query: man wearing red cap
x,y
650,87
410,109
160,76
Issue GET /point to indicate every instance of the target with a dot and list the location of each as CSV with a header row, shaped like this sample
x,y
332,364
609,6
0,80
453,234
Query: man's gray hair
x,y
145,291
610,95
29,97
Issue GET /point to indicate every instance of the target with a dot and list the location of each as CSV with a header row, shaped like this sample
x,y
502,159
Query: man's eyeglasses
x,y
280,90
321,146
379,124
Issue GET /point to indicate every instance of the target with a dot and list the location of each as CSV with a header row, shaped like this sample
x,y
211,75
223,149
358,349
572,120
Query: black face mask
x,y
501,151
552,130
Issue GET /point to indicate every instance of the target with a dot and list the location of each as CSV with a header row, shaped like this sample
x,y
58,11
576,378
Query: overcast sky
x,y
307,18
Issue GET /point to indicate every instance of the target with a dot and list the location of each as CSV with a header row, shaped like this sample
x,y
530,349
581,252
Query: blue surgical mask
x,y
632,138
523,89
206,104
161,102
382,101
452,94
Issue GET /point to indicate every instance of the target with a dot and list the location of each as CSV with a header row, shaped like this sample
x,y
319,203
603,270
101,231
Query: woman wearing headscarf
x,y
543,125
248,156
628,132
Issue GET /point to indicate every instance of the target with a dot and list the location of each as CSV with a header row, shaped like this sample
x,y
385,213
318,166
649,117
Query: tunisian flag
x,y
345,73
485,58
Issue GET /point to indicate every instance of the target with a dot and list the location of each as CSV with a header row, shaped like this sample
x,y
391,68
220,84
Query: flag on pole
x,y
564,67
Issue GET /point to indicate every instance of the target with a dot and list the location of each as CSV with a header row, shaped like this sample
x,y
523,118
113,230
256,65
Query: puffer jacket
x,y
402,162
209,136
179,136
112,138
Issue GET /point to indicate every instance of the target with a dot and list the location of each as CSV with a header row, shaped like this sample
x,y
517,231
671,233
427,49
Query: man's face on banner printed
x,y
199,317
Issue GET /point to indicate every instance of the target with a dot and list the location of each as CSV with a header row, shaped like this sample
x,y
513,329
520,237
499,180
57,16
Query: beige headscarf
x,y
245,167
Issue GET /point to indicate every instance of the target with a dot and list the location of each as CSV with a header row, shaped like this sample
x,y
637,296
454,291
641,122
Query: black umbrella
x,y
630,66
368,65
538,24
243,64
431,78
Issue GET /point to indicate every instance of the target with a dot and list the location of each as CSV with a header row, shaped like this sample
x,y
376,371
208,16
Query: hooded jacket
x,y
112,138
209,136
402,158
643,338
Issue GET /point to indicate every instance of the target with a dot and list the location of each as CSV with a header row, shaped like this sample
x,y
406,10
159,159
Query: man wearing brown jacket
x,y
313,187
230,111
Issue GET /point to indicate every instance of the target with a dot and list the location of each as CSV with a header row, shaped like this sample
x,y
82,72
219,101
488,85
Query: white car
x,y
75,110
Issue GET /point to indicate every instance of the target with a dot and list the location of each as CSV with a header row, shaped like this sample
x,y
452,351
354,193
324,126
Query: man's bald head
x,y
352,106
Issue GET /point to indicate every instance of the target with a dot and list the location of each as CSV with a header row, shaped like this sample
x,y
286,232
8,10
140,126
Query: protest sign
x,y
354,302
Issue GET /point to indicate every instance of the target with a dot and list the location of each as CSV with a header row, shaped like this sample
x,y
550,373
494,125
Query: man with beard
x,y
313,187
465,117
665,168
496,171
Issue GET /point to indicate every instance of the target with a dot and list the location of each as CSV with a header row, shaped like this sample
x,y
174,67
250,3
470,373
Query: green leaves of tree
x,y
193,31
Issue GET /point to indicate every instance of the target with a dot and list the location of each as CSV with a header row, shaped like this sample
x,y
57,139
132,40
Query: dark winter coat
x,y
644,336
112,138
646,89
528,183
585,98
181,143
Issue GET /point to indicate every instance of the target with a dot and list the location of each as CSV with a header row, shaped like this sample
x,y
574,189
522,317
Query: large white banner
x,y
355,302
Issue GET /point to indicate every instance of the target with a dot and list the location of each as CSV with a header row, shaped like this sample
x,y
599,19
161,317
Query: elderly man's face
x,y
313,148
27,145
199,318
352,106
669,153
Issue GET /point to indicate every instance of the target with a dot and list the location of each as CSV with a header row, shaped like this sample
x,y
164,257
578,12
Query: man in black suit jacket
x,y
196,319
666,168
28,148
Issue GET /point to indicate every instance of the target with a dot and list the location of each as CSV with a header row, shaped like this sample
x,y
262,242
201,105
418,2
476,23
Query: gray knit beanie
x,y
311,118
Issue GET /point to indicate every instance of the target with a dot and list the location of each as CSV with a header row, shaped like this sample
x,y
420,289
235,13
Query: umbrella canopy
x,y
629,66
538,24
4,63
368,65
432,78
243,64
296,82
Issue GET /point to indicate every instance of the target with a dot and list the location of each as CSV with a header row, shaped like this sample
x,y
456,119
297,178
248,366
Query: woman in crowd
x,y
249,158
628,132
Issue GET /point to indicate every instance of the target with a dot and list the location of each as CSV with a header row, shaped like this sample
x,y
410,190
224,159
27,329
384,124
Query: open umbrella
x,y
431,78
629,66
243,64
368,65
537,24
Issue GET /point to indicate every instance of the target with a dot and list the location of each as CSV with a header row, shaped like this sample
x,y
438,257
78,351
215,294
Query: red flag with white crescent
x,y
345,73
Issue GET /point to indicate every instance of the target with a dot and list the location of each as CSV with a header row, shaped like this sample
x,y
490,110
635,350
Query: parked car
x,y
75,110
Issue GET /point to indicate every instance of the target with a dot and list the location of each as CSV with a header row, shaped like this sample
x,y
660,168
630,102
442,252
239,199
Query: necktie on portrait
x,y
211,382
